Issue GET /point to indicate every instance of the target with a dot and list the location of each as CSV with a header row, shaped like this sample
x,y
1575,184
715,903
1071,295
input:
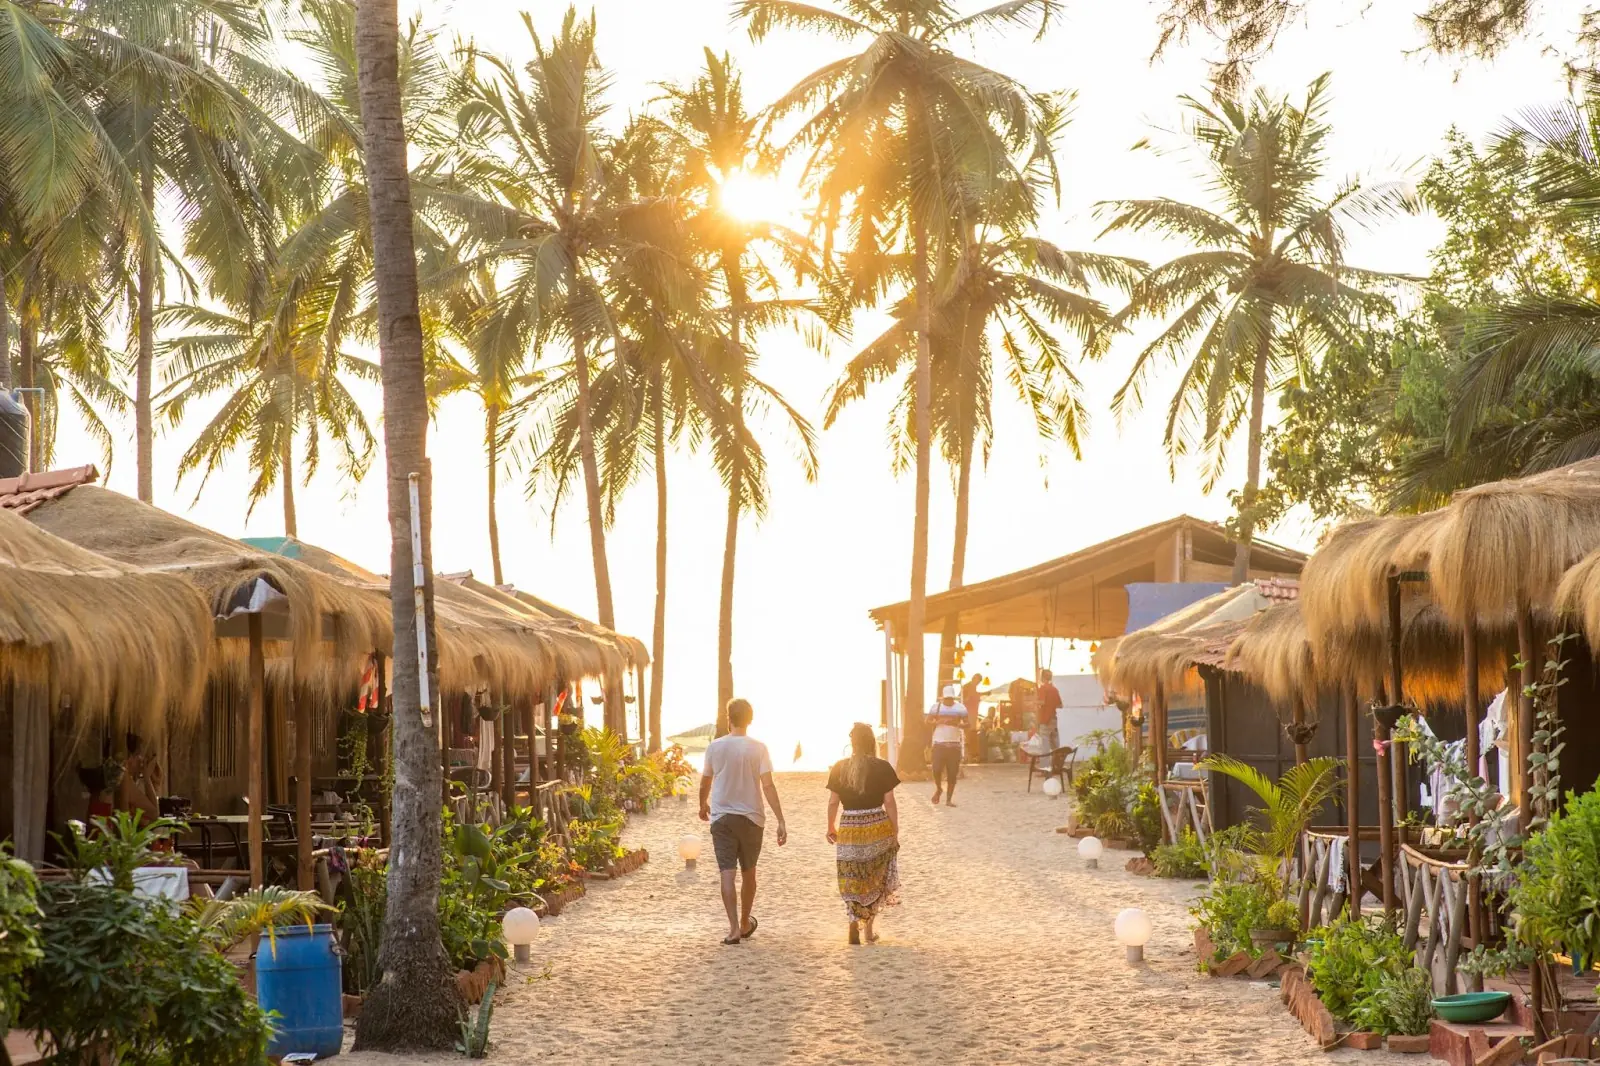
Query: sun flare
x,y
754,197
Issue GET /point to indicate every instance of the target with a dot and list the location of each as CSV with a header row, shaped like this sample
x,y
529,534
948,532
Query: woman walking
x,y
867,833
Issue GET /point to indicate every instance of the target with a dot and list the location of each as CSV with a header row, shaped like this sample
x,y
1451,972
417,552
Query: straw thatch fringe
x,y
1166,650
104,636
328,618
1345,585
1508,544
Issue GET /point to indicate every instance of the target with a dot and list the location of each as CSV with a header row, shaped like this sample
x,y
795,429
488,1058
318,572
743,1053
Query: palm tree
x,y
417,1004
899,135
540,147
1267,287
719,141
282,384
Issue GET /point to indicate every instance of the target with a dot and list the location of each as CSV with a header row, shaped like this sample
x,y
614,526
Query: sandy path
x,y
1002,952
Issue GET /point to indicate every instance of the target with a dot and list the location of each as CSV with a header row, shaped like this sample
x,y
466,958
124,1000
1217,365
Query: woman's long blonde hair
x,y
863,749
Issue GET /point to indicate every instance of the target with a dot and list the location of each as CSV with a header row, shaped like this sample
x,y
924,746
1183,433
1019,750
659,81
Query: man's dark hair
x,y
1045,675
739,713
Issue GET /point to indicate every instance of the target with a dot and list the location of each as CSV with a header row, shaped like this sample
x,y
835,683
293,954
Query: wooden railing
x,y
1324,885
1185,805
1434,893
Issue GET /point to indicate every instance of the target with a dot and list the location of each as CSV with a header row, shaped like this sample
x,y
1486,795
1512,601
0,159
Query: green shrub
x,y
1349,960
127,979
1283,914
364,900
592,844
1185,858
19,932
1554,895
1147,818
1229,910
1400,1003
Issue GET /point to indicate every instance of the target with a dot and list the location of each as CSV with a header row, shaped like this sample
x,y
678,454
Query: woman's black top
x,y
880,781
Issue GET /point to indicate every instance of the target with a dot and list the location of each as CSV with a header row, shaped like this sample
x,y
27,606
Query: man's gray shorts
x,y
737,841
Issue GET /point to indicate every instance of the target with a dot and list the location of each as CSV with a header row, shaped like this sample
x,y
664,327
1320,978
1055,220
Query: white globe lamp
x,y
1090,850
1052,787
689,851
520,926
1132,930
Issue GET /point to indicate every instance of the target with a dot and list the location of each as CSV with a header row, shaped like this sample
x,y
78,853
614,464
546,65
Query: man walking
x,y
948,718
738,772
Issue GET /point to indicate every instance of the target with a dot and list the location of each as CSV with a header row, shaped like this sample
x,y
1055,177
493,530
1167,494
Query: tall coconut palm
x,y
1266,286
541,147
417,1003
284,389
720,142
898,136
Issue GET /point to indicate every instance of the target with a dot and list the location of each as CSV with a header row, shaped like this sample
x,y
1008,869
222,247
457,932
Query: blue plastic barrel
x,y
301,981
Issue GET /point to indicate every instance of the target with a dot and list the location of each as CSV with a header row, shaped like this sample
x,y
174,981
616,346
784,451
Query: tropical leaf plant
x,y
1287,805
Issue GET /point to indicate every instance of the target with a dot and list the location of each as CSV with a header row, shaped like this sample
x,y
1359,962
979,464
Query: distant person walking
x,y
948,719
1048,701
864,825
738,772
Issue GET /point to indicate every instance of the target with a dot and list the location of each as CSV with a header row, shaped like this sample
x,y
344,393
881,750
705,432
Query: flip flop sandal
x,y
730,941
754,925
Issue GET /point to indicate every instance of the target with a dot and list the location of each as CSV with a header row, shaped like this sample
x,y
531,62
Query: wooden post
x,y
307,867
507,735
1472,708
1385,815
1397,751
1158,734
1522,734
385,751
256,771
1298,720
1352,742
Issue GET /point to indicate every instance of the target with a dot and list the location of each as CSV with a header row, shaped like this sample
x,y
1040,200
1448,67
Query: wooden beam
x,y
1298,721
385,755
1522,731
507,736
1385,815
1352,743
1158,734
306,866
256,769
1472,708
1397,760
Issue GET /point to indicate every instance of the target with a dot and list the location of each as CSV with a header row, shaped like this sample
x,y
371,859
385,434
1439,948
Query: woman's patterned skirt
x,y
869,872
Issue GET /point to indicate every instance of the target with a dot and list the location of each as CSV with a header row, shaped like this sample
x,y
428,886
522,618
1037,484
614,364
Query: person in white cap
x,y
948,717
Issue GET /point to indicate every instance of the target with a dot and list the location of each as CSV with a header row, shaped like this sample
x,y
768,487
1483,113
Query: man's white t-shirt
x,y
736,764
949,727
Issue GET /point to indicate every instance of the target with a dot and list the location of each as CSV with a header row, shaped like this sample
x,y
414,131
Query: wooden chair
x,y
1059,765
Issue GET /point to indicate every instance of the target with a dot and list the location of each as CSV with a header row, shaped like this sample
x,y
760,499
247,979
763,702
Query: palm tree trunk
x,y
730,542
5,343
913,740
1252,482
491,442
658,637
28,375
291,528
417,1003
144,364
591,488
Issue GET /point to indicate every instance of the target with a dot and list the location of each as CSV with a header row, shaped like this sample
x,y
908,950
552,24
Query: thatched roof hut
x,y
589,649
1166,651
106,636
1507,545
1345,585
633,650
321,618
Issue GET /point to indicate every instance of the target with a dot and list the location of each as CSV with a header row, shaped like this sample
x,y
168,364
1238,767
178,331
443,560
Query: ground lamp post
x,y
1089,849
1052,787
689,851
1132,930
520,925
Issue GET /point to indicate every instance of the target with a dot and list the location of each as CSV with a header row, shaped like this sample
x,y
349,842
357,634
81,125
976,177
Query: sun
x,y
754,197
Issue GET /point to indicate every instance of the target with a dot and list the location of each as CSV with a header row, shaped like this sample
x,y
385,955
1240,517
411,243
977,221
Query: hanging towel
x,y
1338,868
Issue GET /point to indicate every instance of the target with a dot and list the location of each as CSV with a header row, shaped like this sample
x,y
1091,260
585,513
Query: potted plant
x,y
1281,930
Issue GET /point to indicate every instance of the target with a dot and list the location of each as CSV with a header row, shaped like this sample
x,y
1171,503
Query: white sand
x,y
1002,952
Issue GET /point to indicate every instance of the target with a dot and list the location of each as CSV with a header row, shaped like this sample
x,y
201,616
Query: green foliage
x,y
1185,858
19,931
260,911
119,845
1107,785
472,897
1402,1004
361,910
1555,895
1282,915
1230,910
1288,805
1113,825
1349,961
1146,816
125,979
593,844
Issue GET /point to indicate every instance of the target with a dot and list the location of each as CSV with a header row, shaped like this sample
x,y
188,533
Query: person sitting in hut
x,y
140,787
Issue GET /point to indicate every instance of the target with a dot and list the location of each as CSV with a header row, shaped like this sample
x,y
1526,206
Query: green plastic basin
x,y
1472,1006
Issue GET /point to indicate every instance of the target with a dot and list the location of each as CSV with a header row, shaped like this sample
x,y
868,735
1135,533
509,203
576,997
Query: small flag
x,y
797,751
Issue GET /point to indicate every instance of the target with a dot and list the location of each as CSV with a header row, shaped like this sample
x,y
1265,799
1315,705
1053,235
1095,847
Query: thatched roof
x,y
1166,651
1508,544
633,649
607,653
1345,585
104,635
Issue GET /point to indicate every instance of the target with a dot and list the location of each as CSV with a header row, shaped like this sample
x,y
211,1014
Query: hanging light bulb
x,y
1072,645
967,646
960,674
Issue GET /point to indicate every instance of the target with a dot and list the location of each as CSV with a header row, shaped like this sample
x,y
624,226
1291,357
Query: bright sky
x,y
805,652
